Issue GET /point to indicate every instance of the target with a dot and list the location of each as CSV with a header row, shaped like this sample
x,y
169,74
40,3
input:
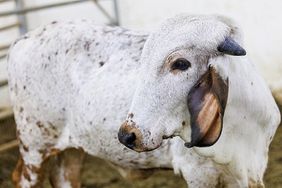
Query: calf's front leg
x,y
66,171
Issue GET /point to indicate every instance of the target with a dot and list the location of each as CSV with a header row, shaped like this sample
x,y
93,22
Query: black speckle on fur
x,y
87,45
101,63
21,109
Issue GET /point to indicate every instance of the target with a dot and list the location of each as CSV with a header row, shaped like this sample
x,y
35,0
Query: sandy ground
x,y
98,174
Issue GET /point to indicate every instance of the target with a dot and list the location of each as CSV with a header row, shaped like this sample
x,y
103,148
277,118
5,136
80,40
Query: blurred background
x,y
261,21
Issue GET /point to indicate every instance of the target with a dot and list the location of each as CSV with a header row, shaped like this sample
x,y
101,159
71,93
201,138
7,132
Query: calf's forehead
x,y
201,33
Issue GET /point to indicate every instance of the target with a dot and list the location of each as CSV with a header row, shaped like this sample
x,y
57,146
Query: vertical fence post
x,y
116,12
21,17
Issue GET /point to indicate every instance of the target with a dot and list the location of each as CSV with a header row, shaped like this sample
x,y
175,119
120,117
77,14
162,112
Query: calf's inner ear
x,y
206,104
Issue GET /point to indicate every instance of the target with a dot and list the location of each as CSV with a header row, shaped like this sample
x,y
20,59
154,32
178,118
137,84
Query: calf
x,y
72,84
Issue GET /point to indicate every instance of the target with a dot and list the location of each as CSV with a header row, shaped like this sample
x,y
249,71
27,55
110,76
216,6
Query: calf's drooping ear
x,y
206,103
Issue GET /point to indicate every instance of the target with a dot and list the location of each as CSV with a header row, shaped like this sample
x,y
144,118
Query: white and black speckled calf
x,y
73,84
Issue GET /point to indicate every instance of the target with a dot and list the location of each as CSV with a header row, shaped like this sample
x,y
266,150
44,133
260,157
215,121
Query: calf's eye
x,y
180,64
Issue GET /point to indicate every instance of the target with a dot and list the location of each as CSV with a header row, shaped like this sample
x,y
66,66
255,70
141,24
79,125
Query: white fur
x,y
56,78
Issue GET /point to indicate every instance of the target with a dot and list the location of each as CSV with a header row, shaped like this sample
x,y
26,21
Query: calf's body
x,y
73,88
72,84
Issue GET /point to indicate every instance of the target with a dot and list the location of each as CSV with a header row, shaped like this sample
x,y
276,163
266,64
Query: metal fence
x,y
20,11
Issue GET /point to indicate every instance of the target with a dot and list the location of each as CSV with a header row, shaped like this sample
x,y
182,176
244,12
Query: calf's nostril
x,y
130,138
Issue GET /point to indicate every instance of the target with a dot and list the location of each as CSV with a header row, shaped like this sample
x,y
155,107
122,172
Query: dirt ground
x,y
98,174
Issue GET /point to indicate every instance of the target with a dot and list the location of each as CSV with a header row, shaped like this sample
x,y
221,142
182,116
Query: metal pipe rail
x,y
10,26
6,113
4,1
3,56
32,9
112,20
4,47
3,83
7,146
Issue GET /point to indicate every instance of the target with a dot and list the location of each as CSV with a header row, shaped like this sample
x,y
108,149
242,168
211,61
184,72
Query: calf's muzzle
x,y
131,137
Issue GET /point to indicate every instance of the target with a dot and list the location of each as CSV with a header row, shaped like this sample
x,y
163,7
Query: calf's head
x,y
179,89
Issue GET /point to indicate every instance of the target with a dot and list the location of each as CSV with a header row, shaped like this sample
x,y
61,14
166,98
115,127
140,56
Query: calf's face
x,y
178,88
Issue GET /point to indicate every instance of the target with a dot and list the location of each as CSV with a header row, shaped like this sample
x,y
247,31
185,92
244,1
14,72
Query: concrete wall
x,y
260,20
